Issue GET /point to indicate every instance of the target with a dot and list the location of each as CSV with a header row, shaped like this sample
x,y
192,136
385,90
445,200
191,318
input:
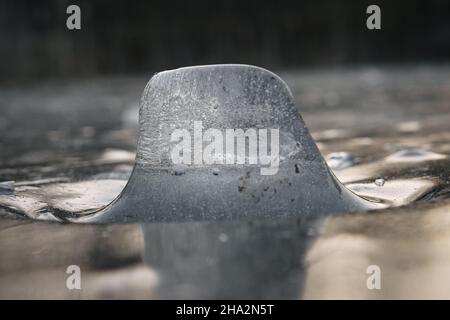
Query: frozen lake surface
x,y
68,147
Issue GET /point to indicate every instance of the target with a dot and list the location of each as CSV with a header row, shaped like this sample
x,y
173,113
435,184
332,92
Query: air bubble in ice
x,y
379,182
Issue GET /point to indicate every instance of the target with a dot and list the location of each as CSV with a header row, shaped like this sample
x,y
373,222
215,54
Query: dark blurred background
x,y
120,37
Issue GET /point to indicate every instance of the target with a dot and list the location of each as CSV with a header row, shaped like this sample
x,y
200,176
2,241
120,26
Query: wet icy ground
x,y
68,146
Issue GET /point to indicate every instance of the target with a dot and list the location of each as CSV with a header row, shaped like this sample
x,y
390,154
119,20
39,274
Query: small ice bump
x,y
330,134
411,152
340,160
111,155
215,171
379,182
414,155
6,187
